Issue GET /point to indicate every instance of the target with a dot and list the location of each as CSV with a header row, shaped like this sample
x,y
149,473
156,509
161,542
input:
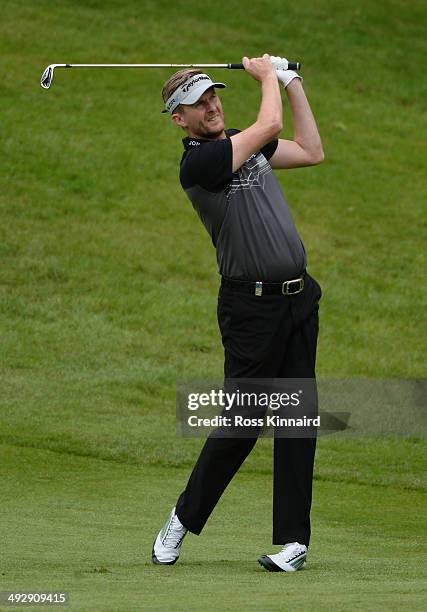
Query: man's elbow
x,y
317,157
312,152
275,127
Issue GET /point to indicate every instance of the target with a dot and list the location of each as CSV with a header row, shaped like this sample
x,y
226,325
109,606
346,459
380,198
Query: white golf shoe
x,y
291,558
167,545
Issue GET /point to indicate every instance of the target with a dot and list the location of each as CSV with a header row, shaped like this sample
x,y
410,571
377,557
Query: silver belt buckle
x,y
285,286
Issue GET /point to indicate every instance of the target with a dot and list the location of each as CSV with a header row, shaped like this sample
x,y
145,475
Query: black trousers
x,y
269,336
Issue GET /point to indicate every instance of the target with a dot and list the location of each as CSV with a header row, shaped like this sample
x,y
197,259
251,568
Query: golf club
x,y
47,76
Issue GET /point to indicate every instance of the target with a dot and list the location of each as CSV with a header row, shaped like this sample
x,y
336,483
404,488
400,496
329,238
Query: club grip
x,y
291,66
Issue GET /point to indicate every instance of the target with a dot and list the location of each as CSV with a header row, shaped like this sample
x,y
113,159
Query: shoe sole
x,y
155,560
270,566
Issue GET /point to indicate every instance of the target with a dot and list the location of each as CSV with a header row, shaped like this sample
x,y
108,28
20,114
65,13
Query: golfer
x,y
268,303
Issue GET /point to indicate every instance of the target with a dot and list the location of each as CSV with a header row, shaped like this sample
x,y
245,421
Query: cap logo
x,y
170,103
190,91
187,86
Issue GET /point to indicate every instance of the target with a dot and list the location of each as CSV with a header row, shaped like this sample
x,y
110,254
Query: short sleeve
x,y
270,148
209,165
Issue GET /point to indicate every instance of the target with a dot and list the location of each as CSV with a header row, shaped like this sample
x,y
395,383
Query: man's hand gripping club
x,y
284,75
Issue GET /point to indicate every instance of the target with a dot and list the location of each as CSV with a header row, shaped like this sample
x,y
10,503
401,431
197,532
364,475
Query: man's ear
x,y
179,120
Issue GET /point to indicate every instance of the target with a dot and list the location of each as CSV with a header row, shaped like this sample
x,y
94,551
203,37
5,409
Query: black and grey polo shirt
x,y
245,212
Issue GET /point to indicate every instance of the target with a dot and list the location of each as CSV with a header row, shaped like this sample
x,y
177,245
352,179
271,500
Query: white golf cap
x,y
190,91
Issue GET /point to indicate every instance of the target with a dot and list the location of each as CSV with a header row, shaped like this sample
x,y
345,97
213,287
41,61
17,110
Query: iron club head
x,y
47,76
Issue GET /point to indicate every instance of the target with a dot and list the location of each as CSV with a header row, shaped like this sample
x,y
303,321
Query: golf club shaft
x,y
47,76
291,66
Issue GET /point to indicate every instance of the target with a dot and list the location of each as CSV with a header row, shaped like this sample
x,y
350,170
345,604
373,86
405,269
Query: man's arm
x,y
306,147
269,121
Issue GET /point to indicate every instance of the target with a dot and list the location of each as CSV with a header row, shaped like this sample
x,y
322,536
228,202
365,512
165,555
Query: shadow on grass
x,y
212,567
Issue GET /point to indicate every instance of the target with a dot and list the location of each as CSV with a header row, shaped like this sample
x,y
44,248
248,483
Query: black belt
x,y
289,287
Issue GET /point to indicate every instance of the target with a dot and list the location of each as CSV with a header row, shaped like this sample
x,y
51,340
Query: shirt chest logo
x,y
251,174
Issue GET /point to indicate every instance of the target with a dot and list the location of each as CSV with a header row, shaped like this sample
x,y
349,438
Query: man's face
x,y
204,118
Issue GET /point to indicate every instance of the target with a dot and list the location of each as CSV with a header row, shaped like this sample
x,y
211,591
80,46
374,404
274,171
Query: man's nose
x,y
210,105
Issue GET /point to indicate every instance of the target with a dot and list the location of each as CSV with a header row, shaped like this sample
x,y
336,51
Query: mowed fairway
x,y
108,295
86,526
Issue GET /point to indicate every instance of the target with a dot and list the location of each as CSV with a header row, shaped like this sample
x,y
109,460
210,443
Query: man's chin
x,y
215,131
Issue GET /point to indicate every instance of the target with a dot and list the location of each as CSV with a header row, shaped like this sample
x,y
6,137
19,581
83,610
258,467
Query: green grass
x,y
108,296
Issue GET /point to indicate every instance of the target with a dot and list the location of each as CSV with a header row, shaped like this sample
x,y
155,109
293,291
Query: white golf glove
x,y
284,75
280,63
